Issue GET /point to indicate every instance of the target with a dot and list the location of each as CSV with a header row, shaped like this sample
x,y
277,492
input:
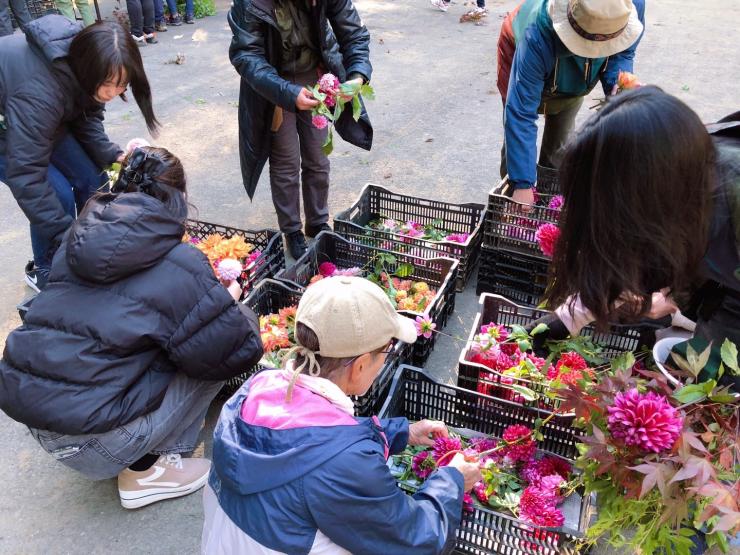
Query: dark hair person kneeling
x,y
120,356
54,84
651,218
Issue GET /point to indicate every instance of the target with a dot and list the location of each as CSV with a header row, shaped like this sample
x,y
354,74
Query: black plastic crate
x,y
439,273
520,277
268,241
269,297
377,202
507,226
415,395
494,308
548,181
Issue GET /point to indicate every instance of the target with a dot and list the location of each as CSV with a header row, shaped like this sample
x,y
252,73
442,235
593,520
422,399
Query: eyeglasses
x,y
388,350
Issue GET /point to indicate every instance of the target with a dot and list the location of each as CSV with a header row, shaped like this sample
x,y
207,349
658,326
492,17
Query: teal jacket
x,y
545,75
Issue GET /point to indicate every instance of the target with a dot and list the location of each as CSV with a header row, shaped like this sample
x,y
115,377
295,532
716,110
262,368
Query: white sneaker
x,y
441,5
171,476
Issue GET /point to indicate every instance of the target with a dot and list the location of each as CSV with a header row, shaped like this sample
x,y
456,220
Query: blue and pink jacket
x,y
307,477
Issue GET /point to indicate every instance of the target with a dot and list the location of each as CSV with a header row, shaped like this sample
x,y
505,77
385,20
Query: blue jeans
x,y
172,428
172,8
74,178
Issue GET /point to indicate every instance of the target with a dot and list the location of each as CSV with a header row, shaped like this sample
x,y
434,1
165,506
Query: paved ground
x,y
437,134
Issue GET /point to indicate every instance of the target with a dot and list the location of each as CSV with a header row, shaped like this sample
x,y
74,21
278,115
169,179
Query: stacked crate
x,y
511,262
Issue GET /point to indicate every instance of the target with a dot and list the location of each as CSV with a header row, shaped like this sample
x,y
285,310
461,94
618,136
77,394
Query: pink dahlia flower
x,y
499,333
538,507
644,420
328,83
468,506
319,121
423,464
444,445
524,449
424,326
327,269
457,237
480,492
229,269
556,202
547,237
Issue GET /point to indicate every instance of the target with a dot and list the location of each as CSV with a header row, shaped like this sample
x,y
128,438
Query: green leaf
x,y
525,392
524,345
328,146
356,108
404,269
690,394
539,328
623,361
367,91
729,356
338,109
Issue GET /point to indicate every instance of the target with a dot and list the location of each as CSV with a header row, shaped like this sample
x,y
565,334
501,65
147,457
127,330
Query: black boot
x,y
296,244
313,231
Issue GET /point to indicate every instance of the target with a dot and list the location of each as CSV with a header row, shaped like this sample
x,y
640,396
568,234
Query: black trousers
x,y
141,15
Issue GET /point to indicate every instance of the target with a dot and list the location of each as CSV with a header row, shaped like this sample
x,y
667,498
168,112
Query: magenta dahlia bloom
x,y
319,121
522,450
423,464
556,202
457,237
468,506
327,269
537,507
553,465
547,236
493,330
644,420
480,492
443,445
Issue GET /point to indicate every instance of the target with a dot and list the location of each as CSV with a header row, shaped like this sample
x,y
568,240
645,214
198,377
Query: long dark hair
x,y
166,182
637,181
105,51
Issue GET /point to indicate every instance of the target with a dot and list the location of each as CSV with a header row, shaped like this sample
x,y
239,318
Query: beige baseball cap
x,y
351,316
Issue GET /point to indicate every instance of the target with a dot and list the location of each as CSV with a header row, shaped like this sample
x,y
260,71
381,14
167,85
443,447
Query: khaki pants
x,y
297,164
86,7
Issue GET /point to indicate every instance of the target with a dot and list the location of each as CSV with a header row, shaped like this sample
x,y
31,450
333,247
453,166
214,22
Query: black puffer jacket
x,y
255,52
41,99
127,306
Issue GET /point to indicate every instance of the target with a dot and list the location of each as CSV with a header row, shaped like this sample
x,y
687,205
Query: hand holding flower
x,y
425,432
470,471
350,88
305,100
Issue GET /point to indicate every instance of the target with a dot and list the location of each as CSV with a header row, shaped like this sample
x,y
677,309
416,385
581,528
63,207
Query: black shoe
x,y
296,243
151,38
189,19
175,20
313,231
36,278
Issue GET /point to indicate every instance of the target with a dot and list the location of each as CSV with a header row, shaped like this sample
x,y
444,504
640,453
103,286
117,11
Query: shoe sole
x,y
138,499
32,284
